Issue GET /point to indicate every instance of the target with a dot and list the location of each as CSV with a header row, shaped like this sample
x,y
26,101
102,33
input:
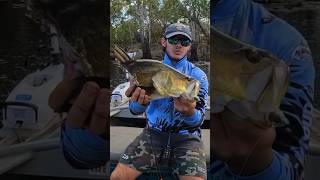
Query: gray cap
x,y
178,28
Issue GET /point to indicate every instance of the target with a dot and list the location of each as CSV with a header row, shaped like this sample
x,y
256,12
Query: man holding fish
x,y
172,138
246,144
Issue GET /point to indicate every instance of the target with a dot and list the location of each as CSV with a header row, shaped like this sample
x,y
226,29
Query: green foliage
x,y
136,21
116,11
124,33
199,8
172,11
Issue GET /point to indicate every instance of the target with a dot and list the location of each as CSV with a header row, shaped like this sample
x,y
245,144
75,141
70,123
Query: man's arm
x,y
84,143
82,148
196,115
293,140
136,108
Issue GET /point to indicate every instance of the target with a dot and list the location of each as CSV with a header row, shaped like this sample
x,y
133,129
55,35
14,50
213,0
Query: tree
x,y
148,19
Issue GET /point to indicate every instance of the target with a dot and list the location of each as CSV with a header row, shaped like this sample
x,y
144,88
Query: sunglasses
x,y
183,42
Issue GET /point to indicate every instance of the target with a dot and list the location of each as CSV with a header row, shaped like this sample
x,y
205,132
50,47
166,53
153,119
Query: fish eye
x,y
253,56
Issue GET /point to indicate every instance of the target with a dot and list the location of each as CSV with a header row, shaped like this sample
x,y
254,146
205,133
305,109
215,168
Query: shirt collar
x,y
180,63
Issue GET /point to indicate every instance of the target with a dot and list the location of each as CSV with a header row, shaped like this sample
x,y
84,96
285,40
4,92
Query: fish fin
x,y
121,55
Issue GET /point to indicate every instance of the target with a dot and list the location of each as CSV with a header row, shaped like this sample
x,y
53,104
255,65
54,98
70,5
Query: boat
x,y
30,136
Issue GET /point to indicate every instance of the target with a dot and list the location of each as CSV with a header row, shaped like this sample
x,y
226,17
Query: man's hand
x,y
185,106
137,94
246,148
89,109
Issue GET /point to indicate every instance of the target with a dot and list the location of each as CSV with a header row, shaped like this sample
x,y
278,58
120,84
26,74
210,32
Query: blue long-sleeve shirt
x,y
82,148
251,23
161,113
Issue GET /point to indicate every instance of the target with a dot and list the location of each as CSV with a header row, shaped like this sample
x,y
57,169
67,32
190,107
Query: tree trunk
x,y
194,53
146,49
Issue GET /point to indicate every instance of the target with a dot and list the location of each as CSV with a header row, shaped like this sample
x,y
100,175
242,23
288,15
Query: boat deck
x,y
121,137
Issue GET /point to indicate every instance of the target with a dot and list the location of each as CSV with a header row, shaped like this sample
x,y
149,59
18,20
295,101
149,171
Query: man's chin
x,y
177,57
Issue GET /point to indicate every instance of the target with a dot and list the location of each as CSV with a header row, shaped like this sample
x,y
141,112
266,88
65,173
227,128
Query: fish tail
x,y
120,55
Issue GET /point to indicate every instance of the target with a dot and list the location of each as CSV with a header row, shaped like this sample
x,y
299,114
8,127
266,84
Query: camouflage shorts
x,y
186,157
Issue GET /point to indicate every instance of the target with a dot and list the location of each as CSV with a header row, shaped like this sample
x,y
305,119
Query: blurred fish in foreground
x,y
82,42
248,81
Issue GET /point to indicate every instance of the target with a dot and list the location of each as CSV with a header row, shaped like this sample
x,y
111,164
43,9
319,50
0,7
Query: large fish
x,y
158,79
247,80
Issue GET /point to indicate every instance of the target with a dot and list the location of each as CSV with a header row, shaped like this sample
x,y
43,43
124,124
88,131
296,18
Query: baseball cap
x,y
178,28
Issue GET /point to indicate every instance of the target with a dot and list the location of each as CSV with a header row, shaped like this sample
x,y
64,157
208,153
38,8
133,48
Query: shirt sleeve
x,y
197,118
83,149
136,108
292,140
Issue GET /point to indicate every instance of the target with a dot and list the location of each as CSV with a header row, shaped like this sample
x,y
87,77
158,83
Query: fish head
x,y
247,75
192,90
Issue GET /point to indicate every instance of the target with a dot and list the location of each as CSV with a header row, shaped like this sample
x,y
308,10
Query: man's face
x,y
176,46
